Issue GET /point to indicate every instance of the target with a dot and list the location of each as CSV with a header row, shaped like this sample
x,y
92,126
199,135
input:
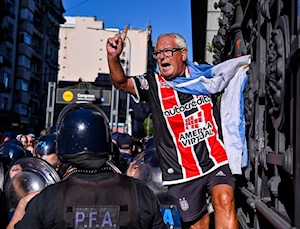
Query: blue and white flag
x,y
230,76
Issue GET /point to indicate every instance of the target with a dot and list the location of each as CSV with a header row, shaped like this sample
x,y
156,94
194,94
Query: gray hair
x,y
180,41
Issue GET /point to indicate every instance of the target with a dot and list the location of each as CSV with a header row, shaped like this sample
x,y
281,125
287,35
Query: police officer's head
x,y
11,142
10,153
46,145
83,136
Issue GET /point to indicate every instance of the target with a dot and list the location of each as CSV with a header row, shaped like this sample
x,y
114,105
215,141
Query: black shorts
x,y
190,197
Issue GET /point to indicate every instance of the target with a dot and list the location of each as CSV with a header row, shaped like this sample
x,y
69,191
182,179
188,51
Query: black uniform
x,y
91,196
46,210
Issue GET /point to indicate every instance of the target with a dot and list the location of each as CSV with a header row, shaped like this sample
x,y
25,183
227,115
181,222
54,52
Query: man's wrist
x,y
113,58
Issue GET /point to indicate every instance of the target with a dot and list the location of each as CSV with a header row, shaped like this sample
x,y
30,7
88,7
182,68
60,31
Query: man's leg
x,y
224,207
200,223
221,184
190,199
203,223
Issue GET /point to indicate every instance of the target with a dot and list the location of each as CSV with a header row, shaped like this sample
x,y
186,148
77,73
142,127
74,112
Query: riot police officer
x,y
46,150
92,195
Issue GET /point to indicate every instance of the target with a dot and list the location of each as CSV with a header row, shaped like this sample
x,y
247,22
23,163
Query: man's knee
x,y
222,197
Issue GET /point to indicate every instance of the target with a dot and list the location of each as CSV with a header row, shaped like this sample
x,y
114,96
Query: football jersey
x,y
186,127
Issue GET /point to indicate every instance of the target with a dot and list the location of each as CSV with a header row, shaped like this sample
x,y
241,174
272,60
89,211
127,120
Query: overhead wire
x,y
79,4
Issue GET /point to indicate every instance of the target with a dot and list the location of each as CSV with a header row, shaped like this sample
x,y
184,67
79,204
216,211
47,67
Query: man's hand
x,y
14,170
132,170
114,45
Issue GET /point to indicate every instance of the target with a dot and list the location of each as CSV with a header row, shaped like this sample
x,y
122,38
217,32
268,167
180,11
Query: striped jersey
x,y
187,130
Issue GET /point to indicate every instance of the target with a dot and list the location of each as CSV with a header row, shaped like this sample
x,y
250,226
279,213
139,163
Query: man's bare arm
x,y
114,47
20,210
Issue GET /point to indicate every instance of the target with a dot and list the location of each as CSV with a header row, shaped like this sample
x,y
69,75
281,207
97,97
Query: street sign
x,y
69,95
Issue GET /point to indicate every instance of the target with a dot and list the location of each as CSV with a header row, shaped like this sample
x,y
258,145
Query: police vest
x,y
109,203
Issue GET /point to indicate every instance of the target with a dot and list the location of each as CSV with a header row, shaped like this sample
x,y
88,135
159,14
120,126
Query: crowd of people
x,y
96,166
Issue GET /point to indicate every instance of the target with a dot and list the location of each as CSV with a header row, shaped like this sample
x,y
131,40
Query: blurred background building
x,y
205,25
84,68
38,45
28,60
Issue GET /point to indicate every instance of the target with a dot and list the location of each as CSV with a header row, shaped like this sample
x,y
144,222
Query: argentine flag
x,y
230,76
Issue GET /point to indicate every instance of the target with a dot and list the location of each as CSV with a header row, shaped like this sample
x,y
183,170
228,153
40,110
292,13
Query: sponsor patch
x,y
187,106
195,136
144,83
194,121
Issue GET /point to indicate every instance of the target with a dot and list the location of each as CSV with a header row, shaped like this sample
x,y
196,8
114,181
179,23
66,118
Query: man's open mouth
x,y
165,65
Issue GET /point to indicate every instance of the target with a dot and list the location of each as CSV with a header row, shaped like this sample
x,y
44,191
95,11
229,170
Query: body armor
x,y
115,205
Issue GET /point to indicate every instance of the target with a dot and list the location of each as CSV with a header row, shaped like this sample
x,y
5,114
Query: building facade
x,y
83,63
205,25
83,49
28,60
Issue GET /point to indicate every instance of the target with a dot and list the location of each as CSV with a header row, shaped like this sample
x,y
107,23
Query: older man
x,y
187,133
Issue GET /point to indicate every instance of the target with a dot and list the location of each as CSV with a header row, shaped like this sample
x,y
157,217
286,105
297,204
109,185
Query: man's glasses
x,y
166,52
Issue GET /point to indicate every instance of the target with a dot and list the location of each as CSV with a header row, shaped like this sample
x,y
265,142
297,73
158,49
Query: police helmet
x,y
28,153
11,153
46,145
11,142
53,129
83,129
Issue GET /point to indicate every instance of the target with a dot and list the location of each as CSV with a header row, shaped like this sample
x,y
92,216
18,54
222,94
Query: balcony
x,y
35,97
39,9
29,50
54,64
29,4
28,26
7,62
4,89
37,76
4,9
5,35
22,96
56,10
24,73
55,41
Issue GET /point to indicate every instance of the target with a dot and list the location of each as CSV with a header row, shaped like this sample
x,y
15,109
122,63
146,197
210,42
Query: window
x,y
10,30
12,8
26,14
22,85
35,43
26,38
8,52
37,2
4,103
21,109
33,66
24,61
6,79
46,74
50,77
